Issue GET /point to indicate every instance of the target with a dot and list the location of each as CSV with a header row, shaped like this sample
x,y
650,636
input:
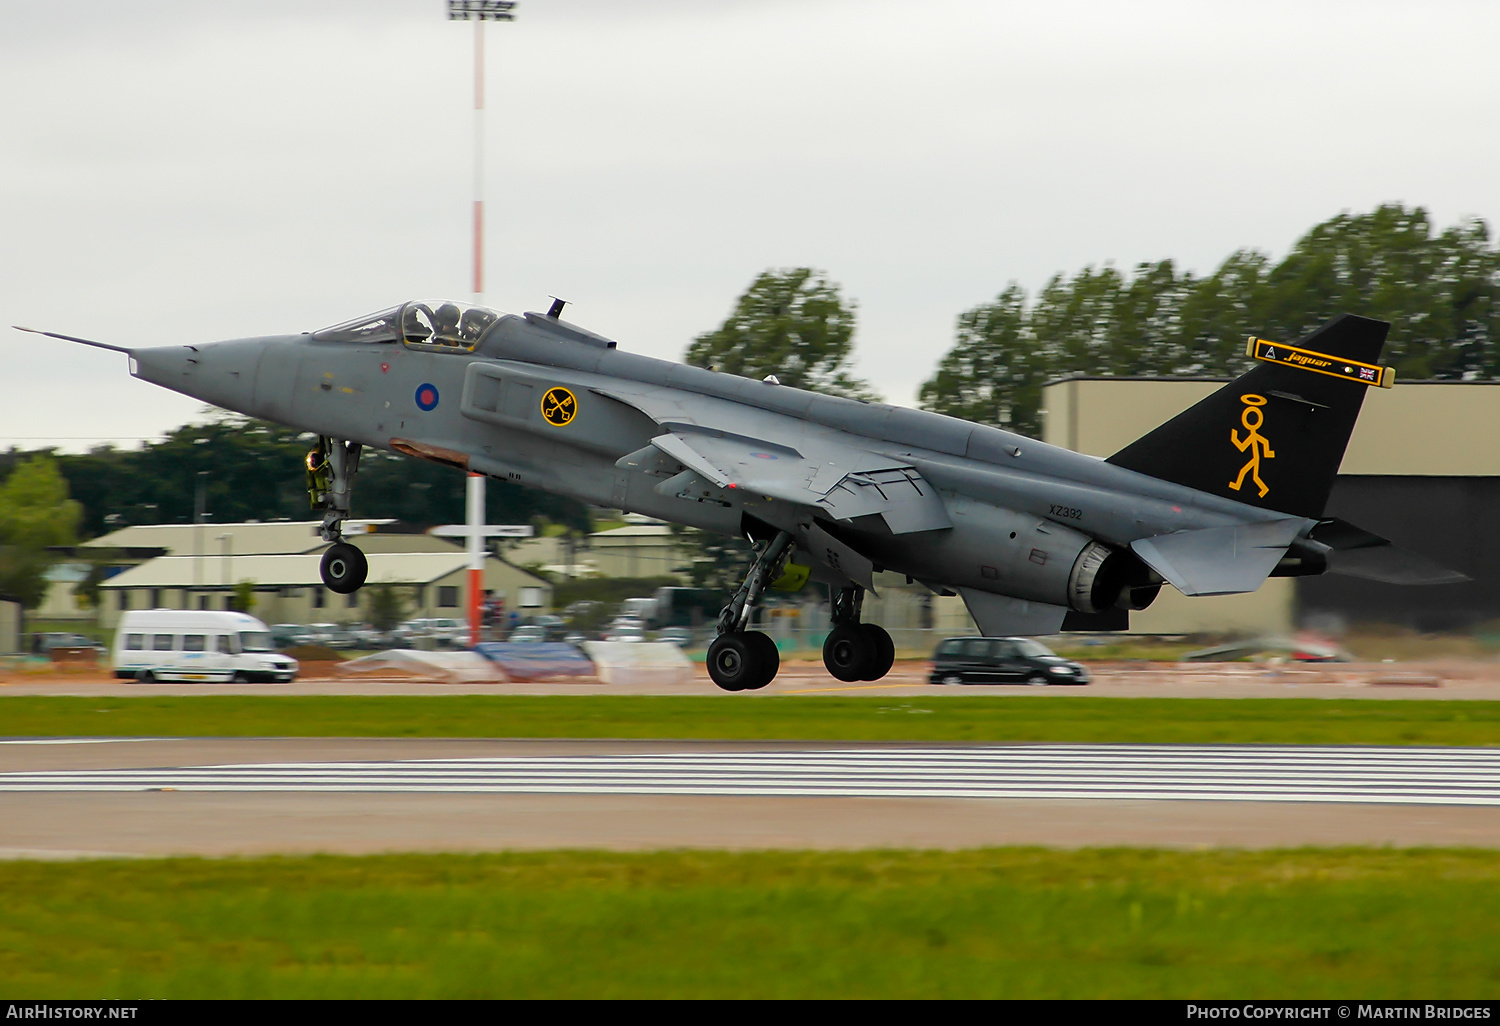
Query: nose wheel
x,y
344,568
331,467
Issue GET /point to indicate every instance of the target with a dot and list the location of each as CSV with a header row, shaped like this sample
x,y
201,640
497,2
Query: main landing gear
x,y
854,650
330,472
741,660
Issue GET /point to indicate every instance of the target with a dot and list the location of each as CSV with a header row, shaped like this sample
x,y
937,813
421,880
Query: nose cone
x,y
169,366
221,373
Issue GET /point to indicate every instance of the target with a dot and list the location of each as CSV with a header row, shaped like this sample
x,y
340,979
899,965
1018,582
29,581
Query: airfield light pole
x,y
479,12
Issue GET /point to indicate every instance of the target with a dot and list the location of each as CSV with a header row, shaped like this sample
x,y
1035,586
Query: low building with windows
x,y
644,547
203,566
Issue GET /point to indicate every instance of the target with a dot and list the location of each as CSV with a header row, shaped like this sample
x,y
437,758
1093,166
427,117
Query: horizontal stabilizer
x,y
1000,616
1219,560
1359,553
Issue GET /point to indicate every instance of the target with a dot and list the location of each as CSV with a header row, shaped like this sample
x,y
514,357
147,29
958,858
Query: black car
x,y
1002,661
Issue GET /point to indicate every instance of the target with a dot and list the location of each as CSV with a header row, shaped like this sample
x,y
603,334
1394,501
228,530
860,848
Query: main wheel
x,y
344,568
847,652
735,662
770,657
882,651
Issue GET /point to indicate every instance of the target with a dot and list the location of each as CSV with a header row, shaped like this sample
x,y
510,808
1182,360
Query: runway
x,y
1221,773
114,797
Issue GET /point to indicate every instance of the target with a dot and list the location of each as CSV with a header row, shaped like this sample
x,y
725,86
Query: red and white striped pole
x,y
478,11
476,556
479,161
476,481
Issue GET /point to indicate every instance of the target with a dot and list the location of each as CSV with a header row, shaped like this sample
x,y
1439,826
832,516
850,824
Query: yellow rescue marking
x,y
1252,418
857,687
559,406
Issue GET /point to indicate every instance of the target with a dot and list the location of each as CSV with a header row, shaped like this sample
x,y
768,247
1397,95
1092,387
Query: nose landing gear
x,y
330,473
741,660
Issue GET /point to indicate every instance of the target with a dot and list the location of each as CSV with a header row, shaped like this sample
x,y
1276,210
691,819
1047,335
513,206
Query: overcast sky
x,y
177,172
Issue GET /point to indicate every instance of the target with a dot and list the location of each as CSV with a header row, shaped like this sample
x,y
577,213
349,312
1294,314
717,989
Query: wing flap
x,y
905,499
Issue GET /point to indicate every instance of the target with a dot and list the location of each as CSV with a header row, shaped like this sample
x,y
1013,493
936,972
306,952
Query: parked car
x,y
682,637
443,631
366,635
44,643
555,626
1002,661
625,632
529,632
290,635
333,635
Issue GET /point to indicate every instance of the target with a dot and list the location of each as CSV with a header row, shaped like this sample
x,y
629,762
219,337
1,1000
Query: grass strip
x,y
1007,923
1021,718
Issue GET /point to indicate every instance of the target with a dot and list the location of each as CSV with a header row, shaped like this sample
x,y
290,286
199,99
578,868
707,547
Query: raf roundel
x,y
427,396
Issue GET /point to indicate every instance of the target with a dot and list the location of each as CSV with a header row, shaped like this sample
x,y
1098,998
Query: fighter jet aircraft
x,y
1036,539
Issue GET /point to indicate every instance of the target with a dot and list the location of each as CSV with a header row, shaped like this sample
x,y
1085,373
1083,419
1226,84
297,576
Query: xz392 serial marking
x,y
1066,511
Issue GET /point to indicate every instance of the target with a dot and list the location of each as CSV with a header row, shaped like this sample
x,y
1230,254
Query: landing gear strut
x,y
741,660
330,473
854,650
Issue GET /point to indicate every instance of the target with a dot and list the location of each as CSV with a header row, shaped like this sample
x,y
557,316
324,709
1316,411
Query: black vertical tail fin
x,y
1273,437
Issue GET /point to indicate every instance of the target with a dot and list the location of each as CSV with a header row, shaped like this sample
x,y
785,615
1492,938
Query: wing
x,y
732,446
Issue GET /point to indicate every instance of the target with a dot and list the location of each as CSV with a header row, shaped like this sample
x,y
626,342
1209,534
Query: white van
x,y
186,644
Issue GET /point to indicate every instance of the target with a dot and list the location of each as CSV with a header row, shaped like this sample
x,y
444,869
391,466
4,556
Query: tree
x,y
994,372
1439,291
243,599
716,561
255,472
791,323
387,607
35,512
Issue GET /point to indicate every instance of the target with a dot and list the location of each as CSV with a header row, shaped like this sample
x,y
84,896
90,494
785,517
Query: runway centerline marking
x,y
1420,776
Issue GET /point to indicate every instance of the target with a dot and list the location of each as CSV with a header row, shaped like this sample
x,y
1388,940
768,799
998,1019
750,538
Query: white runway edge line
x,y
1410,776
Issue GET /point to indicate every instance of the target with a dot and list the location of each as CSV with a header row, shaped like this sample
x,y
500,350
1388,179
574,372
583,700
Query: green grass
x,y
941,718
1012,922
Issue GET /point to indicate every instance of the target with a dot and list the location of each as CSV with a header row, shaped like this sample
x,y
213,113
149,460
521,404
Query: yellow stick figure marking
x,y
1252,418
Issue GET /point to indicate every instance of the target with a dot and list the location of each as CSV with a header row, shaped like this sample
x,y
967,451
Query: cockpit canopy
x,y
437,325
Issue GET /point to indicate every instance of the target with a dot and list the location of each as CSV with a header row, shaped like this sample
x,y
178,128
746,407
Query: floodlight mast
x,y
479,12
